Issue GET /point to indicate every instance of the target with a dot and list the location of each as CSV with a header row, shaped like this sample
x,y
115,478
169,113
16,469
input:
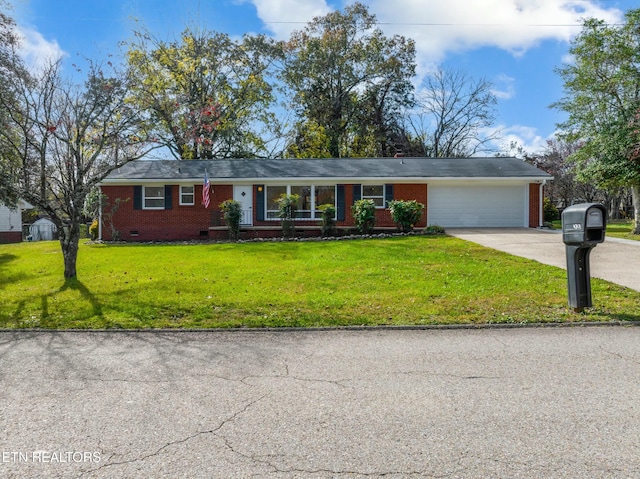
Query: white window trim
x,y
314,207
193,194
383,197
144,198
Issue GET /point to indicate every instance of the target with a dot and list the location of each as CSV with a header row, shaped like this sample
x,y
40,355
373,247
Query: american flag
x,y
205,191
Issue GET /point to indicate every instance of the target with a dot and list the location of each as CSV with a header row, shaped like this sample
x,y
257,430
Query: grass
x,y
621,229
615,229
397,281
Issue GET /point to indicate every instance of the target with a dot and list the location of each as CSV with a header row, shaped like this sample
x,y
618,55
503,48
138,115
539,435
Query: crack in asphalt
x,y
443,375
256,459
287,375
178,441
619,356
297,470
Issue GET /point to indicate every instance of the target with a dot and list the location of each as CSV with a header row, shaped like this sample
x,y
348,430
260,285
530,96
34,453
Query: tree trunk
x,y
635,193
69,240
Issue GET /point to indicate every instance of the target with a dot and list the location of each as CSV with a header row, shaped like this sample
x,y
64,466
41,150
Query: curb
x,y
426,327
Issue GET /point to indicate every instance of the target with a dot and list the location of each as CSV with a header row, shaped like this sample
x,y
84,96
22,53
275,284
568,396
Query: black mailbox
x,y
583,227
584,224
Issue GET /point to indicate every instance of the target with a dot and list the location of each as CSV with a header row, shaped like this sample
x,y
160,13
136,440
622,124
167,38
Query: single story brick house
x,y
162,199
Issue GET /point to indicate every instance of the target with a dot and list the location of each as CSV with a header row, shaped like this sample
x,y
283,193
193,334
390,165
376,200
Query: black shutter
x,y
137,197
357,192
388,194
260,202
168,203
340,206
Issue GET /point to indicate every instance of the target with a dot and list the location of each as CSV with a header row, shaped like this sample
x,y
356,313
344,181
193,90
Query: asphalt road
x,y
533,402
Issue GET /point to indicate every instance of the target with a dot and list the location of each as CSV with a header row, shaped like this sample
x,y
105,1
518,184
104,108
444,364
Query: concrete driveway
x,y
615,260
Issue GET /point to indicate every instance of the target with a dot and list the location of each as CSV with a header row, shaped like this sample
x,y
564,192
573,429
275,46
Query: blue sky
x,y
515,44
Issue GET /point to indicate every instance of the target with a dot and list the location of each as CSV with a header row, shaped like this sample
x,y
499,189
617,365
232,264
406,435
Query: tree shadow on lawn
x,y
6,278
75,285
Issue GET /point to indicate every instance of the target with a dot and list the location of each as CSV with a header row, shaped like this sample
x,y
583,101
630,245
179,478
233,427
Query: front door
x,y
244,196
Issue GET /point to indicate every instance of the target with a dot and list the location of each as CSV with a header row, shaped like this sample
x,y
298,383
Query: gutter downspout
x,y
541,206
100,213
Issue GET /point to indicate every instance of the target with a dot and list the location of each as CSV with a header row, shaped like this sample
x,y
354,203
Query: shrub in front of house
x,y
551,213
405,214
287,206
434,230
328,217
364,215
232,213
94,230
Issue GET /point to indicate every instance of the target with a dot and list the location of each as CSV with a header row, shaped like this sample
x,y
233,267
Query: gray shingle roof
x,y
334,168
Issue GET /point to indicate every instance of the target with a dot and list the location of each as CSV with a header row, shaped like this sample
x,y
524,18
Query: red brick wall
x,y
534,205
10,236
180,222
187,222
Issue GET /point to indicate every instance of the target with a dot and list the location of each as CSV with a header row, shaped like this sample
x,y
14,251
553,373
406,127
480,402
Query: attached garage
x,y
483,204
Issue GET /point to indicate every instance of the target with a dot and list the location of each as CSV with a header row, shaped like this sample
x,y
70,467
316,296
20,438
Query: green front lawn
x,y
621,229
615,229
398,281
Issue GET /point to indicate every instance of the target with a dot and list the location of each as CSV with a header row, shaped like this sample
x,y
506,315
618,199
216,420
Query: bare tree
x,y
452,113
60,140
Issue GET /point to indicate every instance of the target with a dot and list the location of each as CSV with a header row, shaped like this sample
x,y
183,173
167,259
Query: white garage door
x,y
477,206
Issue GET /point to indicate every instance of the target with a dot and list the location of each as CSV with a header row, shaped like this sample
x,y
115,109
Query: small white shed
x,y
42,230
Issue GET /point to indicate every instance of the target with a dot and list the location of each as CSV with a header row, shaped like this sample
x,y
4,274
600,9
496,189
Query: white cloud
x,y
504,88
284,16
37,51
441,27
523,136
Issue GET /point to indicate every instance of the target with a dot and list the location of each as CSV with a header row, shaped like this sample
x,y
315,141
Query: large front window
x,y
310,198
325,195
153,197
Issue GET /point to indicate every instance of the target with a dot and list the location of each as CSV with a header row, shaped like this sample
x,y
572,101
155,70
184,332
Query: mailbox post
x,y
583,227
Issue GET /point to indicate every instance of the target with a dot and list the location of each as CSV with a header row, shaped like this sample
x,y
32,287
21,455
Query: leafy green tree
x,y
602,99
205,94
62,139
346,77
11,71
311,141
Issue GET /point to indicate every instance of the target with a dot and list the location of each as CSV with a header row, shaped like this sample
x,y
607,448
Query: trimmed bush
x,y
434,230
405,214
551,213
232,212
364,215
94,230
287,206
328,219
